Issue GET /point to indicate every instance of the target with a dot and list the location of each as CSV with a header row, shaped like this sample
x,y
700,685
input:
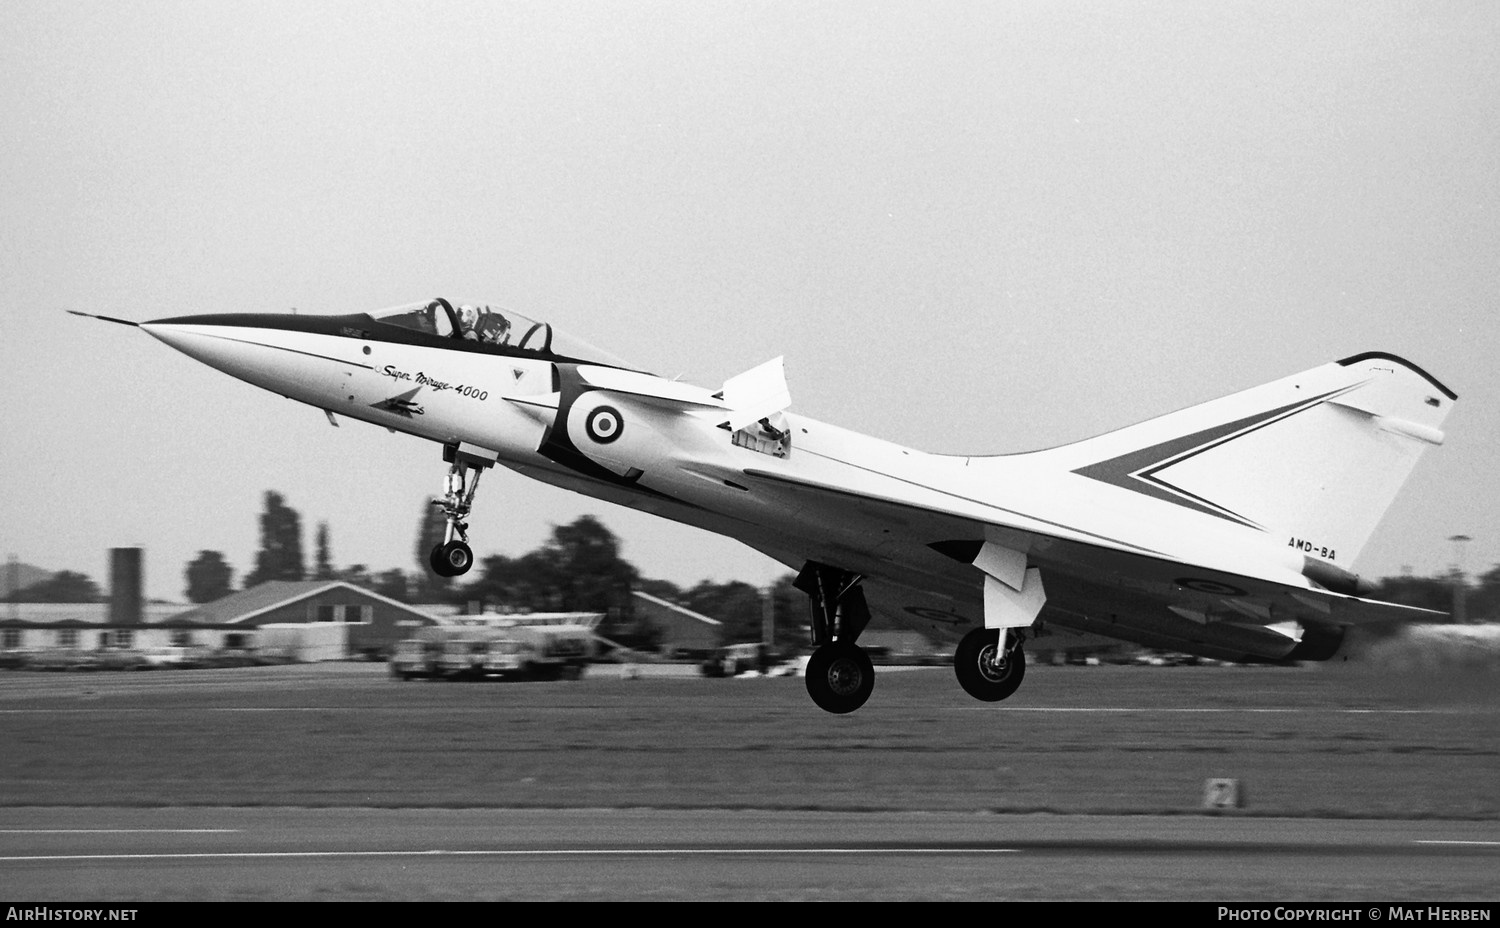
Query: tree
x,y
790,614
1484,602
579,570
742,609
392,583
65,586
209,577
357,574
1434,593
280,555
737,605
323,566
592,576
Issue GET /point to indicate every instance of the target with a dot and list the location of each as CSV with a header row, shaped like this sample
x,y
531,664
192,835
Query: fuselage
x,y
582,420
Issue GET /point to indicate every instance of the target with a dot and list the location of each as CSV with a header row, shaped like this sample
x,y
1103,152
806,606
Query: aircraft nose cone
x,y
225,347
171,333
263,350
199,342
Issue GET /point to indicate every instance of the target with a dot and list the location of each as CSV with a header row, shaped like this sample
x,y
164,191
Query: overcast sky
x,y
969,227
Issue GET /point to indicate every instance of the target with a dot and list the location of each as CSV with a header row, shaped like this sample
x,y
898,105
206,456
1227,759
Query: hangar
x,y
84,628
682,630
374,622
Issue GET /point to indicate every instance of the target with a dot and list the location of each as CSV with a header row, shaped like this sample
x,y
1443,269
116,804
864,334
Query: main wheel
x,y
983,671
840,677
451,559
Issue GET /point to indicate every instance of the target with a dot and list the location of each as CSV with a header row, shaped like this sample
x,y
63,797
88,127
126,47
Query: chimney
x,y
125,586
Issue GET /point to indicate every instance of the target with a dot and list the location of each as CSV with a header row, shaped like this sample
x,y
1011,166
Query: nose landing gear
x,y
454,556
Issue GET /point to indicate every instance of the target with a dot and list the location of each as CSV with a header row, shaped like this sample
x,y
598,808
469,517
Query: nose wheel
x,y
466,462
451,558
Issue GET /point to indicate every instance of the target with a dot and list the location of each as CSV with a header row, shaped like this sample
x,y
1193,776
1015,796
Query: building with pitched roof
x,y
374,622
682,630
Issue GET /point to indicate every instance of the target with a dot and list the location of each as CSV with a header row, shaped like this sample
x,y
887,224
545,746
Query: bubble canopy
x,y
491,325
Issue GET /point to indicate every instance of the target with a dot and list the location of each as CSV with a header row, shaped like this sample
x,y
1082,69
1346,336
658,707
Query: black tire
x,y
981,673
840,677
435,560
456,558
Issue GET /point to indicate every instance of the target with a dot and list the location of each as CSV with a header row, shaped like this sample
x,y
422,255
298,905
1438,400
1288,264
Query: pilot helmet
x,y
467,316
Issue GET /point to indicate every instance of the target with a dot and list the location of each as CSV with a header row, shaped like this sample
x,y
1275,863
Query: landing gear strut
x,y
985,670
839,674
453,556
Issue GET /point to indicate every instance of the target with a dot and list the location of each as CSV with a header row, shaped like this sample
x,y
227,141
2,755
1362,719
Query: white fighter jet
x,y
1225,530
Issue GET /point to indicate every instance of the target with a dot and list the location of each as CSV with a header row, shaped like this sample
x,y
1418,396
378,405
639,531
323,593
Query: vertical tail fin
x,y
1318,456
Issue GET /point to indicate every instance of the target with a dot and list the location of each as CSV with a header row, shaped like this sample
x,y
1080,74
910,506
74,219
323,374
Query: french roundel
x,y
604,424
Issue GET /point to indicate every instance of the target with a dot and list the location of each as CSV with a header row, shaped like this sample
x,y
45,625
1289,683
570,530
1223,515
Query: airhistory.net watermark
x,y
48,914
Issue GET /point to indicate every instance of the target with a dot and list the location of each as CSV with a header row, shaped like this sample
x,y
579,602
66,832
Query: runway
x,y
338,783
225,854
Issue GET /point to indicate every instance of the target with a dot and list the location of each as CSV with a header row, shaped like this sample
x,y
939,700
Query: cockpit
x,y
489,325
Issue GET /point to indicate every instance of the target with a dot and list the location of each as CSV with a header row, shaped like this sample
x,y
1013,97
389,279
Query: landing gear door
x,y
756,400
757,394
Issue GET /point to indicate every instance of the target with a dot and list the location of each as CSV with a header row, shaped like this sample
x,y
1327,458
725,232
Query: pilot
x,y
468,322
492,327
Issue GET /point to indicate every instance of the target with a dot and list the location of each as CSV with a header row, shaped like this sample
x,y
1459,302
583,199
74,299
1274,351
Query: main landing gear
x,y
987,669
839,674
453,556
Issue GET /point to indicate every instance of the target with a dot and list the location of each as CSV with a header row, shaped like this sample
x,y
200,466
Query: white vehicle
x,y
164,656
548,652
414,657
472,652
1226,530
462,658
